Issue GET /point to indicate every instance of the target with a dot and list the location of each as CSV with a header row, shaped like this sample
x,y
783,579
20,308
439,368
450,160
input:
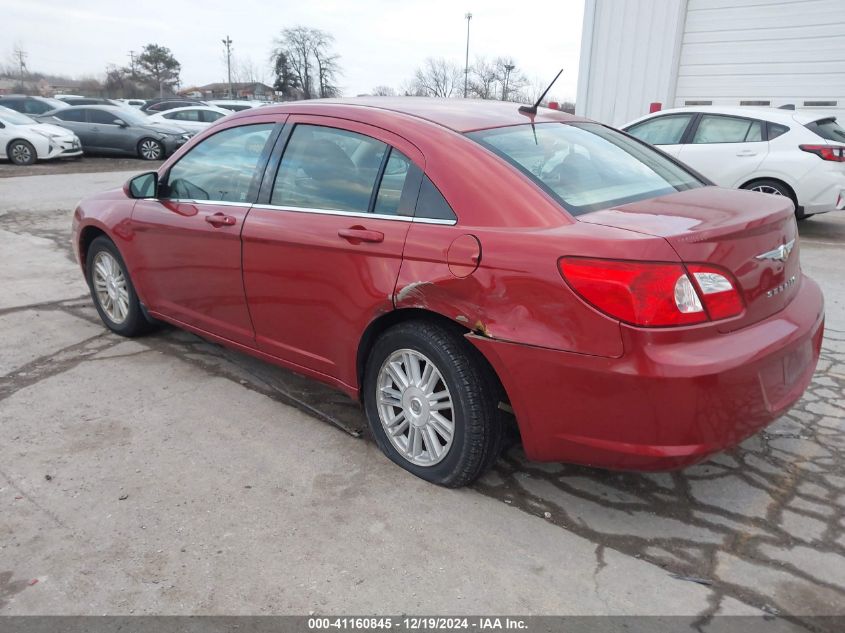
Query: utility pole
x,y
467,17
132,63
228,44
21,55
508,69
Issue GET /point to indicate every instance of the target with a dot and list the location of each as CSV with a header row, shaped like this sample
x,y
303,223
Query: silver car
x,y
116,130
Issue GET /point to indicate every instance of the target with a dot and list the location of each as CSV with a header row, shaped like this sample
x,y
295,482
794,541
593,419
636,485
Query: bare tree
x,y
437,77
482,79
310,60
384,91
246,71
511,79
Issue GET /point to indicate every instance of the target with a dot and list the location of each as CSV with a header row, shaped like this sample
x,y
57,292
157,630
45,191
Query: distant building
x,y
254,90
710,52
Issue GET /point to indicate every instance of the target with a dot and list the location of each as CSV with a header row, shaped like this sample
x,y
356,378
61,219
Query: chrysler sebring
x,y
457,266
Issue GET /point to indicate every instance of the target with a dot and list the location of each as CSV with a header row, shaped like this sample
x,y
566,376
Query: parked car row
x,y
103,126
796,154
23,140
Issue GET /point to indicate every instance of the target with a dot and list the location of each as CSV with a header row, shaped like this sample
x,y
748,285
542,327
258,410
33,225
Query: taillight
x,y
717,290
826,152
652,294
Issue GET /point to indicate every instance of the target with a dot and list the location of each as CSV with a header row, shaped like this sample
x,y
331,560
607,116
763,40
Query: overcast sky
x,y
380,42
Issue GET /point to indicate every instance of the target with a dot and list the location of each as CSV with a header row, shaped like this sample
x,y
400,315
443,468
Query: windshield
x,y
7,115
828,129
587,166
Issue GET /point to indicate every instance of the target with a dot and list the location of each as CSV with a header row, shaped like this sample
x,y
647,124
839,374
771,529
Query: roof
x,y
775,115
460,115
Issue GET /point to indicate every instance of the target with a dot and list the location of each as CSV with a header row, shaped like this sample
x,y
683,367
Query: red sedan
x,y
450,262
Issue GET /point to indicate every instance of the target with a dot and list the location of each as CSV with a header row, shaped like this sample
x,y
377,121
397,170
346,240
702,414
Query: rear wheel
x,y
112,290
21,152
150,149
775,188
431,403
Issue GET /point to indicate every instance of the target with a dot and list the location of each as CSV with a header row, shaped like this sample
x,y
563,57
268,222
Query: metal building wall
x,y
629,57
780,51
684,52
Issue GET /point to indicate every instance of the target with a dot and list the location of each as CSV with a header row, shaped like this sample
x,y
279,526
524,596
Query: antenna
x,y
533,108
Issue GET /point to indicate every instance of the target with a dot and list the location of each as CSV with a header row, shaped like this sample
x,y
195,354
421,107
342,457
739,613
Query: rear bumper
x,y
666,403
822,190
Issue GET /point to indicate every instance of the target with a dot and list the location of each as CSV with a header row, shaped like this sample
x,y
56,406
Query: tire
x,y
775,188
150,149
21,152
112,290
471,393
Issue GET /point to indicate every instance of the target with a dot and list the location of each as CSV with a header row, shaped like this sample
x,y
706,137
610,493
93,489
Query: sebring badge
x,y
782,287
779,254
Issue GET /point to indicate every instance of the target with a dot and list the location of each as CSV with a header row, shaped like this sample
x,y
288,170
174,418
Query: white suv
x,y
798,154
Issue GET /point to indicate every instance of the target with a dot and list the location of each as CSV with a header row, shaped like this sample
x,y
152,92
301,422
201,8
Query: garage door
x,y
763,52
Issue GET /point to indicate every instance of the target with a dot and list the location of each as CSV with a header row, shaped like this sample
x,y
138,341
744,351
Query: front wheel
x,y
150,149
431,403
21,153
112,290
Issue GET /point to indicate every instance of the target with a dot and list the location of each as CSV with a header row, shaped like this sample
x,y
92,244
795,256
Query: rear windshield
x,y
828,129
587,166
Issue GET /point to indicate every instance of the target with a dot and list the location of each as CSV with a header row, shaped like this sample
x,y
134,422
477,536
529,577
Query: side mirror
x,y
121,123
143,186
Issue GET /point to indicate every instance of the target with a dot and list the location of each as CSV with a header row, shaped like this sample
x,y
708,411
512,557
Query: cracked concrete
x,y
247,492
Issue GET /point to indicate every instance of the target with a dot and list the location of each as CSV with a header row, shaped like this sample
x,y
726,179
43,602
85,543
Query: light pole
x,y
468,17
228,44
508,69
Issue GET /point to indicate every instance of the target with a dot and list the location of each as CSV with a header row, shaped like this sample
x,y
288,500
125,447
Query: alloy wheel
x,y
767,189
150,149
415,407
21,154
110,287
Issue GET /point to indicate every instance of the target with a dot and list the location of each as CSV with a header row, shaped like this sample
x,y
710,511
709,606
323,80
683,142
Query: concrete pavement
x,y
168,475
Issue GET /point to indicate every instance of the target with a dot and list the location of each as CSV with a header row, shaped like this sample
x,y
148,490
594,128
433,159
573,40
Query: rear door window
x,y
662,130
71,115
209,116
392,184
328,168
727,129
828,129
183,115
102,117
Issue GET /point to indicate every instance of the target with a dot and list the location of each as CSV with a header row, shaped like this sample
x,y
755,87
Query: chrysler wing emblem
x,y
779,254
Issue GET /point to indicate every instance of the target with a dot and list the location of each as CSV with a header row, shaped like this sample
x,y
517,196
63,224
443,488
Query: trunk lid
x,y
746,232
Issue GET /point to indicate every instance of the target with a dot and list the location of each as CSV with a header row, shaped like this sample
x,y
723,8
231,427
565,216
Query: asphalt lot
x,y
168,475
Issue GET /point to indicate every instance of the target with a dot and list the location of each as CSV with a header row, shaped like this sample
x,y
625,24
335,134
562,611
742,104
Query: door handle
x,y
357,234
746,152
219,219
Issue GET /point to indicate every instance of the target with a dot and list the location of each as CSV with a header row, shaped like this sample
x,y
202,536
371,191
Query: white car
x,y
799,154
24,140
190,118
132,103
